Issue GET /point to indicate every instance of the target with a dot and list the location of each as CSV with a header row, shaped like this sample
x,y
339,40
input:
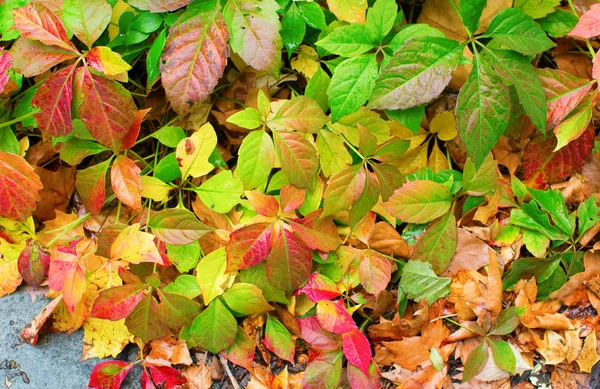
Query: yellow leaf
x,y
444,125
211,275
193,152
135,246
437,159
10,278
306,62
119,9
555,348
104,338
413,160
349,10
155,189
588,356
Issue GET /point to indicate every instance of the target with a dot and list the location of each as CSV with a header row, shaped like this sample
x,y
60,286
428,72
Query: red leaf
x,y
5,65
194,58
19,187
31,58
357,350
106,107
589,23
318,233
298,157
118,302
374,272
263,204
316,336
31,331
33,263
333,317
126,182
241,352
543,166
109,374
37,22
90,184
157,6
289,263
54,99
359,380
130,136
69,278
248,246
319,287
164,377
291,197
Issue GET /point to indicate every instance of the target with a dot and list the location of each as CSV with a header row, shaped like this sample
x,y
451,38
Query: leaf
x,y
351,85
367,200
318,82
194,58
211,275
588,357
126,182
118,302
589,23
176,311
438,244
289,263
221,192
503,355
419,282
293,28
318,232
246,299
482,180
518,71
53,98
254,29
31,58
291,198
144,323
35,21
389,179
109,374
169,135
298,157
470,13
559,23
374,272
158,6
516,30
300,114
537,8
135,246
313,15
482,111
10,279
257,275
574,125
69,278
352,11
278,339
90,184
319,287
106,108
419,201
476,361
19,187
215,328
241,351
193,152
334,318
359,380
86,19
153,188
348,40
263,204
166,377
332,153
248,246
507,321
248,118
357,350
255,159
381,17
343,189
553,202
177,226
525,268
184,285
324,372
33,263
5,65
104,60
417,73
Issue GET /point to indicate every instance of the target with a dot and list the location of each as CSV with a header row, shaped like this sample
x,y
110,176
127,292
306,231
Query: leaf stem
x,y
20,118
69,227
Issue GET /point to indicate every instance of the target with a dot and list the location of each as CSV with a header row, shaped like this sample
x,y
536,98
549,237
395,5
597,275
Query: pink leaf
x,y
357,350
333,317
374,271
589,24
33,263
37,22
54,100
359,380
316,336
90,184
248,246
31,58
319,287
5,65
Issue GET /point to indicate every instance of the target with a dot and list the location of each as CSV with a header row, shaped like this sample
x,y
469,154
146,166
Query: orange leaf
x,y
126,182
19,187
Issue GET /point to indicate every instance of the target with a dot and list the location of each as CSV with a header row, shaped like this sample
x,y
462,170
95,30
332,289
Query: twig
x,y
231,377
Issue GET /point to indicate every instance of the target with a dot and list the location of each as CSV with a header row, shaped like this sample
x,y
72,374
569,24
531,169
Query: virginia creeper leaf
x,y
470,12
289,263
357,350
211,275
19,187
118,302
381,17
255,159
104,60
33,263
87,19
318,232
438,244
278,339
263,204
374,272
221,192
300,114
135,246
246,299
333,317
419,282
589,23
352,11
517,30
359,380
109,374
332,153
176,311
367,200
69,278
215,328
53,98
248,246
298,157
476,361
157,6
419,201
193,152
503,355
90,184
35,21
343,189
177,226
348,40
31,58
126,182
319,287
143,321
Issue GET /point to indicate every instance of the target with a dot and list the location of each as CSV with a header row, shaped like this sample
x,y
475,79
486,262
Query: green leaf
x,y
221,192
588,215
167,168
143,321
418,72
367,200
185,256
176,311
246,299
482,111
169,136
436,359
503,355
476,361
351,85
211,275
177,226
438,244
412,31
574,125
559,23
531,217
318,83
185,285
381,17
249,118
343,190
257,275
293,28
535,242
153,58
256,158
537,8
517,30
290,261
75,150
301,114
470,12
410,118
298,157
333,154
518,71
553,202
7,21
419,202
419,282
525,268
481,181
507,321
348,41
313,14
215,328
279,340
87,19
